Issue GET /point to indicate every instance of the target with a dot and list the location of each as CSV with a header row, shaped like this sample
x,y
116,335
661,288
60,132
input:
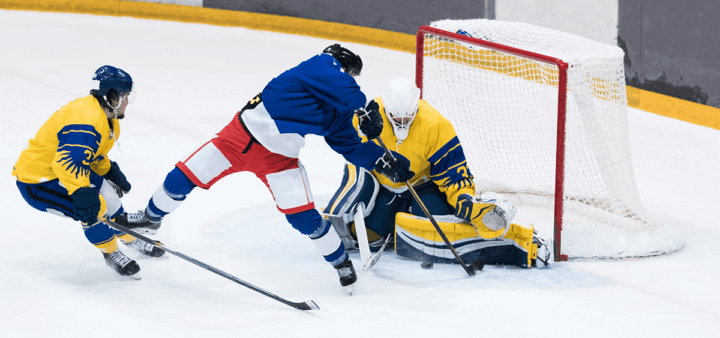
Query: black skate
x,y
145,248
139,222
346,272
121,263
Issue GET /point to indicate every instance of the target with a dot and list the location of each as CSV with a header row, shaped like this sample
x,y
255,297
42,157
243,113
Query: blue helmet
x,y
109,77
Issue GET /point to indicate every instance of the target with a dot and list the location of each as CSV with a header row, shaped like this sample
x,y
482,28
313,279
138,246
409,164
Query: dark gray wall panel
x,y
672,47
399,16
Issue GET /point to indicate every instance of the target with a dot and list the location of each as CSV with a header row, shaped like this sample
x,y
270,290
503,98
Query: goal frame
x,y
562,67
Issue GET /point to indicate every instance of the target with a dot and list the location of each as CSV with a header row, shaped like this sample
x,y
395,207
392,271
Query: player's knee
x,y
307,222
177,184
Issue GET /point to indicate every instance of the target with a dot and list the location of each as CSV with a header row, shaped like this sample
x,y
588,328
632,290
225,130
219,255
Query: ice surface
x,y
193,78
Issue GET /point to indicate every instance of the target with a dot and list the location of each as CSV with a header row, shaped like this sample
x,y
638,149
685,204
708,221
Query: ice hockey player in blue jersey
x,y
66,171
320,97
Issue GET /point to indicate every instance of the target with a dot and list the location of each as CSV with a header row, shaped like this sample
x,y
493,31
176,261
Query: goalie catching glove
x,y
399,171
370,121
493,211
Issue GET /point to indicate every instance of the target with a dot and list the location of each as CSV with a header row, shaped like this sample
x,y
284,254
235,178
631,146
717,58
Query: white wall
x,y
593,19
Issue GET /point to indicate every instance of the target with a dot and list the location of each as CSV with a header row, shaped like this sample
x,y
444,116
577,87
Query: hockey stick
x,y
478,263
307,305
376,257
361,233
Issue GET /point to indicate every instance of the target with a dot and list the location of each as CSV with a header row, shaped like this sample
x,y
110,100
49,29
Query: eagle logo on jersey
x,y
77,146
76,160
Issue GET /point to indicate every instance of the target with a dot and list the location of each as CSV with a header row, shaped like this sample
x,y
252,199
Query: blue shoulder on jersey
x,y
304,99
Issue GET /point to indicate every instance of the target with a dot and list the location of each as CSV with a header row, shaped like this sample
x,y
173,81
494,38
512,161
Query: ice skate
x,y
347,274
139,222
145,248
124,265
544,252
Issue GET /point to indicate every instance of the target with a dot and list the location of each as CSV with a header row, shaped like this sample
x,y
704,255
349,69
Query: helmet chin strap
x,y
115,113
115,109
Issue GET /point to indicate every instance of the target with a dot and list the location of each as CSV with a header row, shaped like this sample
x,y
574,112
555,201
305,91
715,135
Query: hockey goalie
x,y
478,228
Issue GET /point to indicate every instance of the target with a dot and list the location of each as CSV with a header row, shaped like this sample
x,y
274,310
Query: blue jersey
x,y
316,97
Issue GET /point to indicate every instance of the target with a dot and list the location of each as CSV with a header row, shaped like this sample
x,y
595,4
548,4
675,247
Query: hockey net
x,y
542,117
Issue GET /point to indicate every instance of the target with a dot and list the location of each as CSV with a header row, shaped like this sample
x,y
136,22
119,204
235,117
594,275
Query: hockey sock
x,y
323,235
101,236
170,195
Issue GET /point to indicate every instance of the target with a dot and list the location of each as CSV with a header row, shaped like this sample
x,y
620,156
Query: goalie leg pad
x,y
343,230
358,186
417,239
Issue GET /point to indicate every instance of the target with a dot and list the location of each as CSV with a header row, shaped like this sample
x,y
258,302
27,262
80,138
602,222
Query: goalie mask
x,y
401,99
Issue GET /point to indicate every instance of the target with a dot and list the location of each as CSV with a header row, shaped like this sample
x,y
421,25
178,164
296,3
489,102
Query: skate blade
x,y
134,277
349,289
145,231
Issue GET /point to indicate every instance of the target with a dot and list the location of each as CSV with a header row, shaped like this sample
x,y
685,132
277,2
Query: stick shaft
x,y
308,305
427,212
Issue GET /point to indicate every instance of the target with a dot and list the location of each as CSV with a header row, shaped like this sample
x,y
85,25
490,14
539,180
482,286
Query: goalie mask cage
x,y
542,115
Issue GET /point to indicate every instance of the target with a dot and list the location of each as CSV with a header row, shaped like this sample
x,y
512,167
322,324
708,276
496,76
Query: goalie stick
x,y
376,257
470,269
368,260
306,305
362,238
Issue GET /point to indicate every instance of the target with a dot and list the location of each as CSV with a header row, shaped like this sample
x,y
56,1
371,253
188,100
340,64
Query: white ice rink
x,y
192,79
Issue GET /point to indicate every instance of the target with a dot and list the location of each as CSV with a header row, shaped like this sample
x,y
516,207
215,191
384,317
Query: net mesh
x,y
504,107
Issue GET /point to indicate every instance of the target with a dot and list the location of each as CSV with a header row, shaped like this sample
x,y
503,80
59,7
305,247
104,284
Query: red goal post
x,y
502,99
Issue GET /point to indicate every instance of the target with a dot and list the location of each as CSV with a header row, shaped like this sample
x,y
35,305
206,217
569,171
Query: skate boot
x,y
544,252
139,222
145,248
124,265
346,272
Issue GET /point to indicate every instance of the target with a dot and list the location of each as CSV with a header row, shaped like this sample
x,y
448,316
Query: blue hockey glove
x,y
370,120
87,205
117,180
400,172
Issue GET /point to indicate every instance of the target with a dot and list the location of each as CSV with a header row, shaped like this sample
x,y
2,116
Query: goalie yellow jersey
x,y
73,141
434,151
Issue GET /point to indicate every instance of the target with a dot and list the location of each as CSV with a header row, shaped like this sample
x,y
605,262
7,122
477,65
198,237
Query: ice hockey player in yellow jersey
x,y
477,227
65,169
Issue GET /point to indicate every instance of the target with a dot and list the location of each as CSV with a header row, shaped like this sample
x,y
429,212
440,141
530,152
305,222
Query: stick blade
x,y
376,257
307,305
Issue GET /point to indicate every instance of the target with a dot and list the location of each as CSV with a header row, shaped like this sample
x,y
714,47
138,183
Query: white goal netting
x,y
504,105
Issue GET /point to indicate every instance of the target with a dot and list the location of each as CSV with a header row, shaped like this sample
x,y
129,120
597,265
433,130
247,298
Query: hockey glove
x,y
370,120
400,172
492,211
117,180
87,205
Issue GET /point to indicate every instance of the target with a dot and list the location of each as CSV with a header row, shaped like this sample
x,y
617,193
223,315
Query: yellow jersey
x,y
73,141
434,151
